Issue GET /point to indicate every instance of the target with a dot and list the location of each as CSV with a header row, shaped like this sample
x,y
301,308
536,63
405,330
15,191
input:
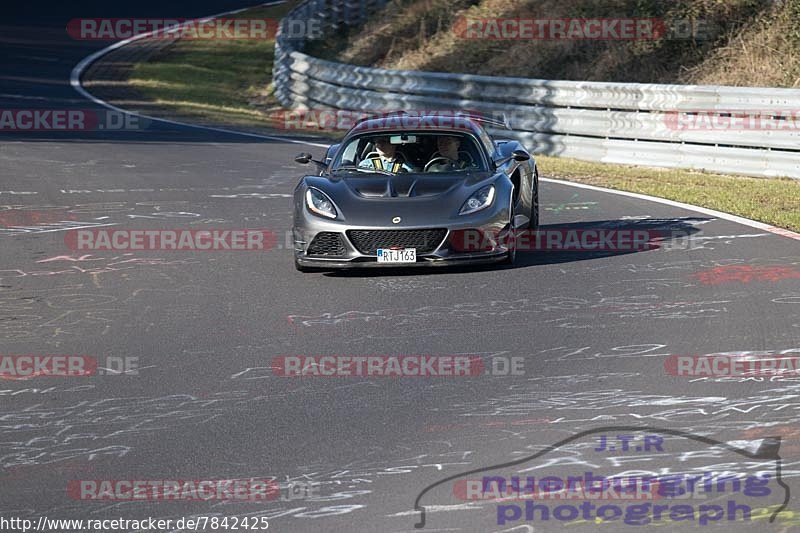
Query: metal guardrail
x,y
660,125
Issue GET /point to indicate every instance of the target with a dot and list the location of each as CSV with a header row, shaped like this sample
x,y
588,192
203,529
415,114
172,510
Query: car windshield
x,y
395,153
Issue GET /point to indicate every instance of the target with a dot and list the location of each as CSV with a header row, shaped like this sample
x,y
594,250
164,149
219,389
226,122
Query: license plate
x,y
404,255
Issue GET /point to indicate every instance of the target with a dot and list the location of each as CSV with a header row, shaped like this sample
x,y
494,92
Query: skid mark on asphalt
x,y
641,306
693,265
71,312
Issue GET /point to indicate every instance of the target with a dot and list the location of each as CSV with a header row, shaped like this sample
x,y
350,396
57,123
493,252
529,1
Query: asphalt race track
x,y
595,332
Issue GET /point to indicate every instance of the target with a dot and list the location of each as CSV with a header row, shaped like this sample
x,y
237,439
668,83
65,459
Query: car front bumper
x,y
346,253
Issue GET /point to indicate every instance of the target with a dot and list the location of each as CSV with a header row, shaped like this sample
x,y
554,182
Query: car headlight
x,y
480,199
319,202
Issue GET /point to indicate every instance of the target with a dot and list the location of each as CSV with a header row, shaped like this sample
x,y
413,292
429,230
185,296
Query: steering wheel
x,y
440,159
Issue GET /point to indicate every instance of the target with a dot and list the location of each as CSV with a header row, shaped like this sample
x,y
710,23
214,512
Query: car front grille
x,y
424,240
327,243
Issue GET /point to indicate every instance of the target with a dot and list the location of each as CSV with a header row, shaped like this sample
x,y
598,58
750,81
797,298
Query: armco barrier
x,y
630,123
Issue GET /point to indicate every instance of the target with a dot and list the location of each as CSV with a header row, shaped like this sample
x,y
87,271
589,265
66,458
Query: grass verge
x,y
218,81
775,201
227,83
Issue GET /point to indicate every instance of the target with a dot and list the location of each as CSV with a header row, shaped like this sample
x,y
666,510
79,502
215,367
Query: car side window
x,y
486,139
471,149
469,146
350,152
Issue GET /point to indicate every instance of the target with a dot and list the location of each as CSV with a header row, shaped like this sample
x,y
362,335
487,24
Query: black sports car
x,y
430,189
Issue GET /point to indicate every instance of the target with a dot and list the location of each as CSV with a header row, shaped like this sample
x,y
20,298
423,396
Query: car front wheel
x,y
512,241
533,225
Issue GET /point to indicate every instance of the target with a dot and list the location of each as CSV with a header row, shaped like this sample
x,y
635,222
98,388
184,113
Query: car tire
x,y
511,257
533,224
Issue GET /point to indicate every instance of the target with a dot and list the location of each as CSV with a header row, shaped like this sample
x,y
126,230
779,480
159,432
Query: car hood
x,y
401,185
416,197
406,184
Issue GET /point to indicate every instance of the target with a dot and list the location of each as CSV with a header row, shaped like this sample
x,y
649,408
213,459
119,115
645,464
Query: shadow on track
x,y
669,230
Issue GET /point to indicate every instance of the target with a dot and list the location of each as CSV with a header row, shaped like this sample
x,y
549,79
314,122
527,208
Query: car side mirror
x,y
517,155
520,156
306,158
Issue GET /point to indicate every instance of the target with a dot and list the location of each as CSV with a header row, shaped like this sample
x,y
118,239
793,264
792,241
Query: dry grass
x,y
752,42
766,54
